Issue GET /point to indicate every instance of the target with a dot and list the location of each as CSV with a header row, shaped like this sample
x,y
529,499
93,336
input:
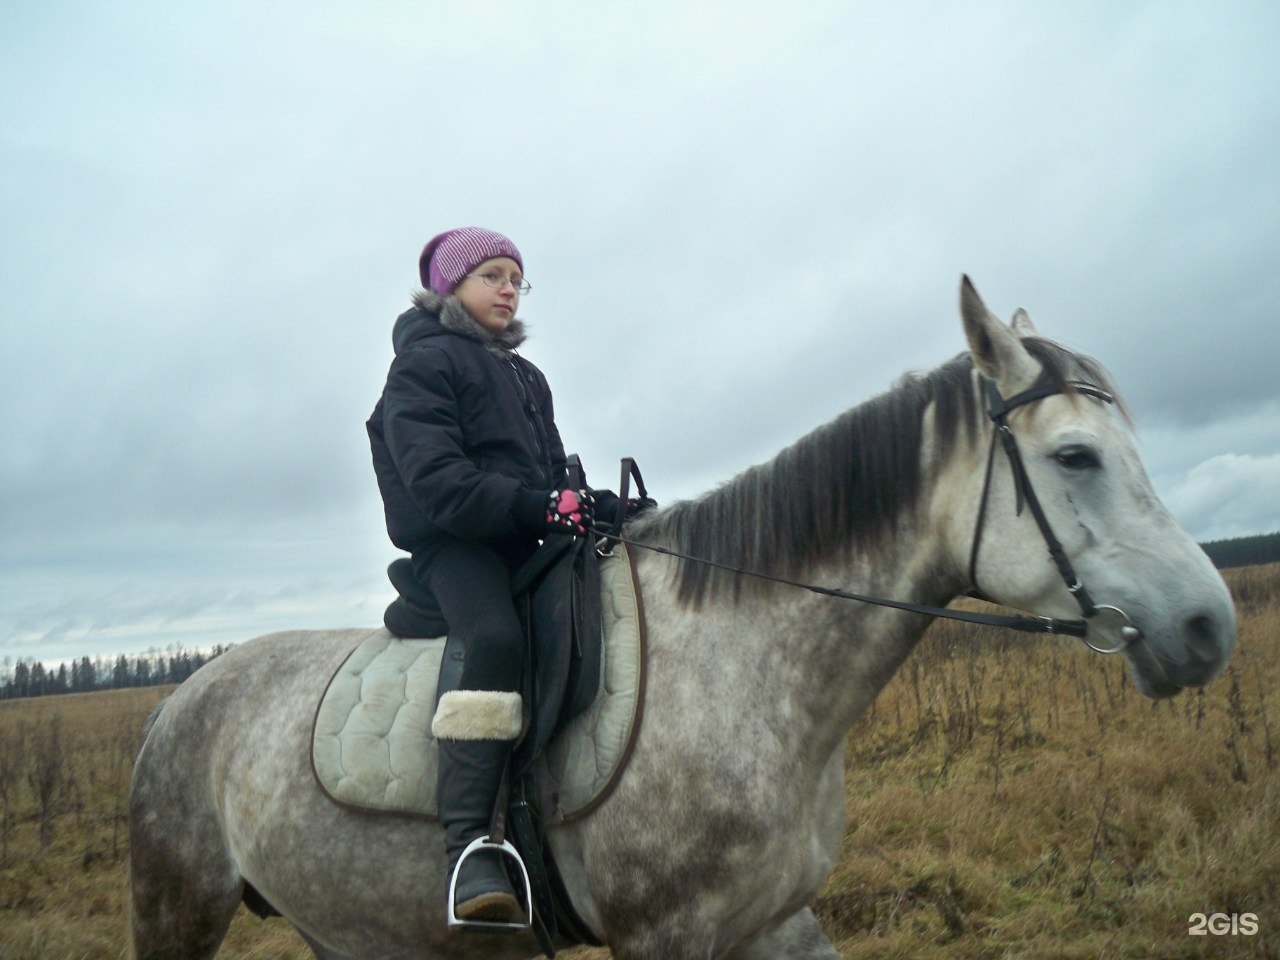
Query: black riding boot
x,y
470,773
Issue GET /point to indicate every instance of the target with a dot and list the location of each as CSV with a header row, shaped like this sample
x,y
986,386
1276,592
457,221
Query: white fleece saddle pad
x,y
372,747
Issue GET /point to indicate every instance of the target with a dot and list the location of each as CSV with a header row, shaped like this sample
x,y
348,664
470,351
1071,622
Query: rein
x,y
1073,628
998,410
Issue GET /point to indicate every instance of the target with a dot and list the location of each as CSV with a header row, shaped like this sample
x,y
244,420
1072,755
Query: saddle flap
x,y
588,637
563,620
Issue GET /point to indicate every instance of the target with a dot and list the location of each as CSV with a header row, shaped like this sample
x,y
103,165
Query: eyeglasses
x,y
497,281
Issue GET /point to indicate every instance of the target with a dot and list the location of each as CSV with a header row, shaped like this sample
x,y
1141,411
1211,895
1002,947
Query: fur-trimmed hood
x,y
436,315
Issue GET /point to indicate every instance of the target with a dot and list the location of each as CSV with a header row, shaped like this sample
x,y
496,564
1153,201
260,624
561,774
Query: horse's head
x,y
1136,564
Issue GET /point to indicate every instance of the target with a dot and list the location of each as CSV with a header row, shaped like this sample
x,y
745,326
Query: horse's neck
x,y
857,646
825,659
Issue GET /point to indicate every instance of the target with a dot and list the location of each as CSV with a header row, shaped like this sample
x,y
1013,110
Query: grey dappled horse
x,y
729,817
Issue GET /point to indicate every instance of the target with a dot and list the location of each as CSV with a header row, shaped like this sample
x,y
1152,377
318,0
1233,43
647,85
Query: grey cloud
x,y
734,234
1221,496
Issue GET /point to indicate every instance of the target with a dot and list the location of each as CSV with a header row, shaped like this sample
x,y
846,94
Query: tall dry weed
x,y
47,774
1073,817
1005,798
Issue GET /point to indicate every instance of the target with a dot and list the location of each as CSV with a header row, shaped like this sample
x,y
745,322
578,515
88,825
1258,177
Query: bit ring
x,y
1128,633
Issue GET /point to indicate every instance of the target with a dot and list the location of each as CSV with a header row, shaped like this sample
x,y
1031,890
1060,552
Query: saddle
x,y
557,593
559,596
372,749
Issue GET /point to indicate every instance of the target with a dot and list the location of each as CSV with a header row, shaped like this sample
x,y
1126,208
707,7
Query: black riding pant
x,y
472,584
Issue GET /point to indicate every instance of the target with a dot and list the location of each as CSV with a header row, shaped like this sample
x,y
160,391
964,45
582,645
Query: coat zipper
x,y
531,419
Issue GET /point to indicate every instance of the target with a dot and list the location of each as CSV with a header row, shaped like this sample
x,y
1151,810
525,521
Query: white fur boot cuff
x,y
478,715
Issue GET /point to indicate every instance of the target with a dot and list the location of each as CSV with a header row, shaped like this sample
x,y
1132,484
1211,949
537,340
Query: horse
x,y
728,818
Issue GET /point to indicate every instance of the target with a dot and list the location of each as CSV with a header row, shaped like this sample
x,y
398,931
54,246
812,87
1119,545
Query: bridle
x,y
998,409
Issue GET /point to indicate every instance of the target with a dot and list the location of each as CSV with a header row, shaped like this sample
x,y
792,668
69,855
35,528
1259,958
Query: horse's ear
x,y
997,349
1022,324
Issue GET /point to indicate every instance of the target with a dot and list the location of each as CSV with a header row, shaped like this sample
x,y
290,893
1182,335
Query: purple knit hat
x,y
451,255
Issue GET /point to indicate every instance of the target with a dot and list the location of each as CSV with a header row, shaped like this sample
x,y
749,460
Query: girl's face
x,y
490,293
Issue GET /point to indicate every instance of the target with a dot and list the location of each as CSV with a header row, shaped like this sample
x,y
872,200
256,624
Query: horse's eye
x,y
1078,458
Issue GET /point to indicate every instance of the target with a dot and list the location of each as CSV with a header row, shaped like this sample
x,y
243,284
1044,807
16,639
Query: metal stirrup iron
x,y
505,849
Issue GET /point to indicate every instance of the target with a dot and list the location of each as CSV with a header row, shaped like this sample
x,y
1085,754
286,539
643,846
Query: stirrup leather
x,y
490,926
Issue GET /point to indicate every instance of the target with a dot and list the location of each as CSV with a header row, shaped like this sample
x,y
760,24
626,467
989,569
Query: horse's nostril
x,y
1202,637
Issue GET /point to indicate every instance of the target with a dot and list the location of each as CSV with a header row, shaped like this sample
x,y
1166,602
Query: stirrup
x,y
490,926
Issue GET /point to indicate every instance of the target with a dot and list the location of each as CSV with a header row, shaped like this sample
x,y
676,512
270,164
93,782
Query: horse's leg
x,y
184,888
799,938
180,912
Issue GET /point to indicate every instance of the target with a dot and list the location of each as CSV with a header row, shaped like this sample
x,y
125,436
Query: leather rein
x,y
998,409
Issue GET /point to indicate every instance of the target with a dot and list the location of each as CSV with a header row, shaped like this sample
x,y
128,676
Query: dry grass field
x,y
1007,798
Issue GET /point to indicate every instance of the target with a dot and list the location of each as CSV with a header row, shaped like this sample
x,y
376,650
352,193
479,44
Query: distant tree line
x,y
33,679
1244,551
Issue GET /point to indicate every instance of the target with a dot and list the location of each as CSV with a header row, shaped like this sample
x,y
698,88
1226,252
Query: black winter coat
x,y
464,439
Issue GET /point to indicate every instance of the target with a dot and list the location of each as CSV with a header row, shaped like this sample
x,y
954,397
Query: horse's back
x,y
250,676
255,694
281,659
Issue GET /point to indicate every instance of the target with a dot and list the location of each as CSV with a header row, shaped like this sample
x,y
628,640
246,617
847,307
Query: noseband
x,y
998,409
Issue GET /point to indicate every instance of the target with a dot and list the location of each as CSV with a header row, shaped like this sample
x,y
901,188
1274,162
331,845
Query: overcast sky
x,y
739,219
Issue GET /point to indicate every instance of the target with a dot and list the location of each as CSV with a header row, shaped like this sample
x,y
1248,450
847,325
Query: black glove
x,y
638,505
610,510
570,511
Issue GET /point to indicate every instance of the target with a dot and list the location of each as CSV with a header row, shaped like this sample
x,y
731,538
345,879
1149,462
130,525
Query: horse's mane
x,y
845,486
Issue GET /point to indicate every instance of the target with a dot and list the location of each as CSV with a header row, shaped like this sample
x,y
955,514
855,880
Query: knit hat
x,y
451,255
